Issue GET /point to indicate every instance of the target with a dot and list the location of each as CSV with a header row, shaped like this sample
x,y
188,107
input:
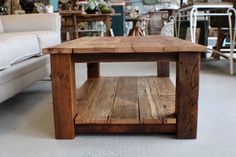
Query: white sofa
x,y
22,38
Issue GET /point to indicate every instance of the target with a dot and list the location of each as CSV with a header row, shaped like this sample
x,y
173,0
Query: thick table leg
x,y
63,92
187,88
93,70
163,69
108,25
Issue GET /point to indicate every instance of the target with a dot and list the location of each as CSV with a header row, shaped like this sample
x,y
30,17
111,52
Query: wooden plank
x,y
85,96
93,70
96,113
127,128
67,47
104,44
166,90
164,86
146,44
134,44
126,108
163,69
169,105
99,110
147,103
63,93
96,95
155,98
171,44
187,87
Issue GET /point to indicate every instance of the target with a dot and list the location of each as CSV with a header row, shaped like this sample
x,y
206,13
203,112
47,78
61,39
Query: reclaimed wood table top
x,y
136,44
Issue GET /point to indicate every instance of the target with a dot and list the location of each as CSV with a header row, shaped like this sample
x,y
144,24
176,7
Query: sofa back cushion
x,y
31,22
17,47
1,26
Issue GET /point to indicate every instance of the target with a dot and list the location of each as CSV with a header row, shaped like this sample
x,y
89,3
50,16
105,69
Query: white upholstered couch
x,y
22,38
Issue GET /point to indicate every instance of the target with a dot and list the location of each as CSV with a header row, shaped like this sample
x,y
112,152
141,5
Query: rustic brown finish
x,y
187,87
137,44
126,100
93,70
126,104
97,101
163,69
63,90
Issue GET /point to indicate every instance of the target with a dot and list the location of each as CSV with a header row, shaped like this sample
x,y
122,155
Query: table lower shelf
x,y
126,105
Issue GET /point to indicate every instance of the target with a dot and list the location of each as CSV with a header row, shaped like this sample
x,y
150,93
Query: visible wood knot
x,y
60,75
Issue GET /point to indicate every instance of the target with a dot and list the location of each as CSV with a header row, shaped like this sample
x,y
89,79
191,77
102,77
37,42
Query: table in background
x,y
148,104
79,17
134,21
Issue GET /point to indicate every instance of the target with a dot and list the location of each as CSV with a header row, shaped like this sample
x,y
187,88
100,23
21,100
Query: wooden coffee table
x,y
126,104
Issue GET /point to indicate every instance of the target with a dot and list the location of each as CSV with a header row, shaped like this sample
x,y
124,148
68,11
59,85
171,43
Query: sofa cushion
x,y
1,26
23,68
46,38
21,75
5,59
17,47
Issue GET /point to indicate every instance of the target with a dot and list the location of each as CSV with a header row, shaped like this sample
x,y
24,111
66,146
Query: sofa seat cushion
x,y
22,68
21,75
16,47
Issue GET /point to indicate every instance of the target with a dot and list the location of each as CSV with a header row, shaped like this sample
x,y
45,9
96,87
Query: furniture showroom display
x,y
22,38
148,104
193,12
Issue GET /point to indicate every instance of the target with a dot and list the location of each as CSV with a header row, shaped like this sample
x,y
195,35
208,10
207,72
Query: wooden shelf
x,y
126,104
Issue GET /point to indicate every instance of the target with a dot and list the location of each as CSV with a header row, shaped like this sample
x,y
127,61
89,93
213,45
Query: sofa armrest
x,y
31,22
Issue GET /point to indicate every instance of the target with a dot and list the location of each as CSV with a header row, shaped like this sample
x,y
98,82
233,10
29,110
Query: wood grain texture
x,y
166,91
163,69
164,86
187,88
148,102
118,101
99,109
133,44
63,93
125,109
93,70
85,95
